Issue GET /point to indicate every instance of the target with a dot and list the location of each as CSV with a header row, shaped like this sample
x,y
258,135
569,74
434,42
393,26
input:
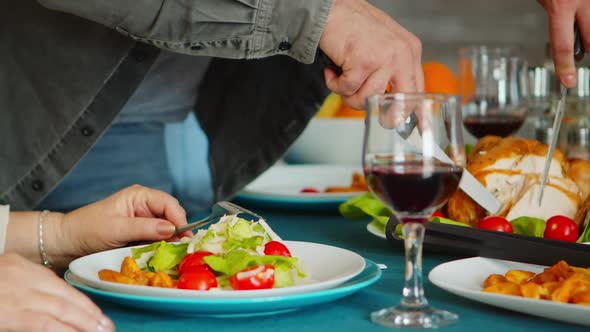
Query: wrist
x,y
55,241
333,41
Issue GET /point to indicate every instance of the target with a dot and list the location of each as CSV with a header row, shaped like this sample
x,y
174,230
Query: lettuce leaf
x,y
283,275
168,256
399,231
359,207
159,256
448,222
242,235
528,226
585,235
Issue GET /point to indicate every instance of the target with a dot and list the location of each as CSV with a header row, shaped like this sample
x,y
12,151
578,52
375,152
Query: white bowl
x,y
329,141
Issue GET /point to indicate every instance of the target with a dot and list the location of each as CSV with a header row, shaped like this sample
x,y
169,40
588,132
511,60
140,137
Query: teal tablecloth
x,y
350,313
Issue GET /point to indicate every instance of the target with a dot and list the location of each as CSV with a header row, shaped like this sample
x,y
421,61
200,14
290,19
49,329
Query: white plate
x,y
376,231
280,186
465,278
289,180
325,266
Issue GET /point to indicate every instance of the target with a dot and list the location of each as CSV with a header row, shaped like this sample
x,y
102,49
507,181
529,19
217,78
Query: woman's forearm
x,y
22,237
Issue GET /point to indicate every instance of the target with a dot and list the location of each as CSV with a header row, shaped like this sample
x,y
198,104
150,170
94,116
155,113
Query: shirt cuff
x,y
4,218
292,28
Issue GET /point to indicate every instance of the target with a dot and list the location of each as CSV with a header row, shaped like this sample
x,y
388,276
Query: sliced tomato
x,y
561,228
496,223
256,277
276,248
194,261
199,279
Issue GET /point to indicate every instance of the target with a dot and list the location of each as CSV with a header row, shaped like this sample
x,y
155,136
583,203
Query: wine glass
x,y
493,83
414,176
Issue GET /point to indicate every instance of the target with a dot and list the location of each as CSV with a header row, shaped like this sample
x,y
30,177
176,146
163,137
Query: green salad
x,y
239,254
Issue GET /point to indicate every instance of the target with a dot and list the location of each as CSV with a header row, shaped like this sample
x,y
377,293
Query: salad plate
x,y
325,266
465,278
281,187
231,307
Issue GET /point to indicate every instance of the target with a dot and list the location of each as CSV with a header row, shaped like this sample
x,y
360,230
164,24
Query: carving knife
x,y
468,183
578,55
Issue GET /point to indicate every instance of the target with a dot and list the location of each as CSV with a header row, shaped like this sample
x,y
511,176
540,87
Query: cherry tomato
x,y
561,228
496,223
438,214
276,248
199,279
194,261
309,190
256,277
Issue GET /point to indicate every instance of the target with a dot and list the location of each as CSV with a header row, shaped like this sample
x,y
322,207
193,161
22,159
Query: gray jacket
x,y
67,69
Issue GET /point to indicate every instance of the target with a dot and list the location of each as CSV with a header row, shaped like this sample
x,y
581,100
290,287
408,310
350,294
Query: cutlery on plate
x,y
218,210
578,55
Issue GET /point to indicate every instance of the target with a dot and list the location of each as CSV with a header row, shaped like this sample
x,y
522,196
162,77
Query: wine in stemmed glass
x,y
493,85
414,176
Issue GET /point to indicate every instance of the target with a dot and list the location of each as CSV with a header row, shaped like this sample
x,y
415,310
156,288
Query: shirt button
x,y
284,46
87,131
138,55
37,185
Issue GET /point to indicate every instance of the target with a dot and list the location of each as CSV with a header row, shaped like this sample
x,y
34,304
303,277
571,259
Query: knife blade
x,y
468,183
578,55
555,134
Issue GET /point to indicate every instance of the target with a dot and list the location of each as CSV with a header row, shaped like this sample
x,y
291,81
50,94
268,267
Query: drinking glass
x,y
493,83
414,176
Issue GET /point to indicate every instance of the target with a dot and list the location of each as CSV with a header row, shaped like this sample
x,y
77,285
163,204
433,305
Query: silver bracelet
x,y
42,251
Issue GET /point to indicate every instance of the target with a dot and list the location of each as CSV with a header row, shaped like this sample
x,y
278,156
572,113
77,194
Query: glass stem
x,y
413,293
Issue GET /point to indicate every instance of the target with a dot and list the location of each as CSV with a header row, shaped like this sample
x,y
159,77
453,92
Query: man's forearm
x,y
231,28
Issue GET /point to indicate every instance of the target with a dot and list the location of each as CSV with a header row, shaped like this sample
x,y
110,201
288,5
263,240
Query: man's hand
x,y
562,15
33,298
372,50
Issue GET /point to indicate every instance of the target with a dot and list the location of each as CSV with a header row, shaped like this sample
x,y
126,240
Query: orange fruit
x,y
439,78
346,112
331,105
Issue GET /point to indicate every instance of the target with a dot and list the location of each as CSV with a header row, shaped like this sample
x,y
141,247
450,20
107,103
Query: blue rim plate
x,y
281,185
235,307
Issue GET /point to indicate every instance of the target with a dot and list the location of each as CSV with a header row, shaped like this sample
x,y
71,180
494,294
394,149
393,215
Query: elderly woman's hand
x,y
33,298
133,214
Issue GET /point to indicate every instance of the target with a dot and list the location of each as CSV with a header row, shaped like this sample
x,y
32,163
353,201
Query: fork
x,y
218,210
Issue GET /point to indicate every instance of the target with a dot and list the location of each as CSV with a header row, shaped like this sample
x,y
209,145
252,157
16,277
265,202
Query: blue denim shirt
x,y
66,76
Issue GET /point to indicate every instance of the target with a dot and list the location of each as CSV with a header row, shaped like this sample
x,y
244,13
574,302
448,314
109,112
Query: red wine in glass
x,y
413,187
494,124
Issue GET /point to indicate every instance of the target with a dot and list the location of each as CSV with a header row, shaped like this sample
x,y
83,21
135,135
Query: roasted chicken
x,y
511,168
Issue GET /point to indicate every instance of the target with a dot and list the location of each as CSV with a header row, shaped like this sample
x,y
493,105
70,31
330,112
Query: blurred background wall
x,y
445,25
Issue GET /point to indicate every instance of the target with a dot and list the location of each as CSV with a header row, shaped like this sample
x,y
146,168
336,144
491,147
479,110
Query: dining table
x,y
351,313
